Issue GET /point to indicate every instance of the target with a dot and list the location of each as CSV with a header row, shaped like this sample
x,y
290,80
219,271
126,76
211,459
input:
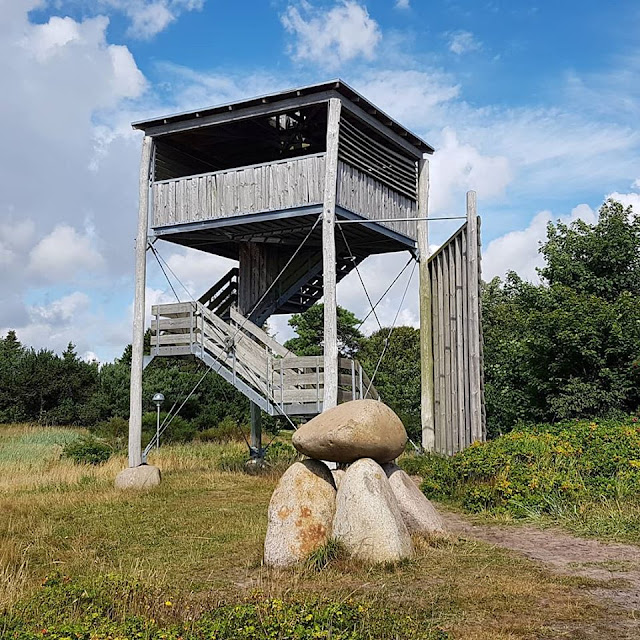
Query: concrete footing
x,y
145,476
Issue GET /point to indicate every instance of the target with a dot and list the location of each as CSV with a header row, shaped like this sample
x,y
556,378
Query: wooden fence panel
x,y
455,271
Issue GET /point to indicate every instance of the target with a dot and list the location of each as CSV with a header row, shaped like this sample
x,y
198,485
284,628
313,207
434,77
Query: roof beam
x,y
242,113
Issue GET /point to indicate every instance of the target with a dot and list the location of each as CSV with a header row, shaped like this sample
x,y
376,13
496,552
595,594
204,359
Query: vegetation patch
x,y
567,470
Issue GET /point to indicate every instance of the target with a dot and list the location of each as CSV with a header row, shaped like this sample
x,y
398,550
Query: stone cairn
x,y
372,508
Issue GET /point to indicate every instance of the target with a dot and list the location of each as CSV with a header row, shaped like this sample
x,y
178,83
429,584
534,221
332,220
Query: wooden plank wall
x,y
362,194
223,194
457,341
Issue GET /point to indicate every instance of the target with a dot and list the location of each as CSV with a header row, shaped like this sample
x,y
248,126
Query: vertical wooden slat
x,y
455,414
437,362
461,365
465,321
474,319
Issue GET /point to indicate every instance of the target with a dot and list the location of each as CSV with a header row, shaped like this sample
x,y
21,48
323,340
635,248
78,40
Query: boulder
x,y
145,476
417,511
353,430
368,522
301,511
338,474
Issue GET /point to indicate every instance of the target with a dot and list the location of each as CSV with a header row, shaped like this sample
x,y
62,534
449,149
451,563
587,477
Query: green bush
x,y
227,430
538,469
87,450
179,430
281,455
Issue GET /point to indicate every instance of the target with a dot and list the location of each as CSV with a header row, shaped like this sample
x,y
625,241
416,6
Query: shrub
x,y
114,430
180,430
87,450
281,455
228,430
538,469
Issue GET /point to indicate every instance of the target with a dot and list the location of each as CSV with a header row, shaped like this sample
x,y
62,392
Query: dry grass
x,y
197,540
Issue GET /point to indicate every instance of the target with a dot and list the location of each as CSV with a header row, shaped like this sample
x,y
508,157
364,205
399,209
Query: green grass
x,y
84,560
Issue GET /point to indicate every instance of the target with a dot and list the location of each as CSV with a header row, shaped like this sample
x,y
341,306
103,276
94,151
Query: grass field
x,y
79,559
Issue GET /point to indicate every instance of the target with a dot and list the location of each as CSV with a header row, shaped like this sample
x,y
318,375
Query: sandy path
x,y
567,555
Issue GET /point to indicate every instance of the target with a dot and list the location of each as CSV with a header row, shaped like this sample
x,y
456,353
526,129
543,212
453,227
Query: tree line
x,y
567,347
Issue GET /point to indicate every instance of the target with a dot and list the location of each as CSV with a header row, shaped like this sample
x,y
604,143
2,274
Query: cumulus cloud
x,y
628,200
64,254
150,17
519,250
332,37
458,167
463,42
61,311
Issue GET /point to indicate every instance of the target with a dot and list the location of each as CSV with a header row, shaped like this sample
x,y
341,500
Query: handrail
x,y
258,363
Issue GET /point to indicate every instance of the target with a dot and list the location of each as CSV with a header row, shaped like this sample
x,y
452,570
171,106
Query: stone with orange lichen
x,y
300,513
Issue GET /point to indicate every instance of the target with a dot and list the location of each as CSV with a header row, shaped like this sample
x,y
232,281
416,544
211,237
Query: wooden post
x,y
473,282
426,344
137,343
256,430
330,398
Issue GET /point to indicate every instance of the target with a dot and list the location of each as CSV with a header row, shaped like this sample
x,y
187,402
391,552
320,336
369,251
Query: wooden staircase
x,y
248,358
299,288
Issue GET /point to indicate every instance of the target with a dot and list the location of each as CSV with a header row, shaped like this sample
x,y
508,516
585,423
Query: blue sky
x,y
534,105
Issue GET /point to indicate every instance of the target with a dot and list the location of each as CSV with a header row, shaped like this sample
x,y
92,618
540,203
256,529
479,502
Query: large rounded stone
x,y
417,511
353,430
145,476
300,513
368,521
338,474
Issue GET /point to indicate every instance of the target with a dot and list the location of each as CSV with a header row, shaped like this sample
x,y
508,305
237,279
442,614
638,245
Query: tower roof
x,y
274,101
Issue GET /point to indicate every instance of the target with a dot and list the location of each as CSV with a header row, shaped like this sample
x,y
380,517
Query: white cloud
x,y
64,254
457,168
150,17
628,200
61,311
519,250
90,356
463,42
413,97
331,38
402,4
197,270
636,184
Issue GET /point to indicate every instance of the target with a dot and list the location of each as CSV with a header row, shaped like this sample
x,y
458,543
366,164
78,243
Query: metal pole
x,y
256,431
158,427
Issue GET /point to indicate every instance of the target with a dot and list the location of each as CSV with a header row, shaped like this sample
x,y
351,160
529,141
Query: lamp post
x,y
158,398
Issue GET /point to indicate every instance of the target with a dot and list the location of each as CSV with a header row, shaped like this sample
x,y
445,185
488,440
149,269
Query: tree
x,y
570,346
310,329
398,377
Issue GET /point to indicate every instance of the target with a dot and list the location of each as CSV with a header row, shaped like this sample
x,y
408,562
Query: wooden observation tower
x,y
272,182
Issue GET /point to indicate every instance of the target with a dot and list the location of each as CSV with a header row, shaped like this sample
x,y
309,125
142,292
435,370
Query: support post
x,y
475,367
330,398
137,343
256,431
426,343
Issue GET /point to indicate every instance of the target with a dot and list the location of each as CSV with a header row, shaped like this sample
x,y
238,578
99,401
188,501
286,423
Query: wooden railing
x,y
368,197
270,186
251,360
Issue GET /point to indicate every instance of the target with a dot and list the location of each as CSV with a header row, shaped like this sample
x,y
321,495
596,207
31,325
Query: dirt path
x,y
567,555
